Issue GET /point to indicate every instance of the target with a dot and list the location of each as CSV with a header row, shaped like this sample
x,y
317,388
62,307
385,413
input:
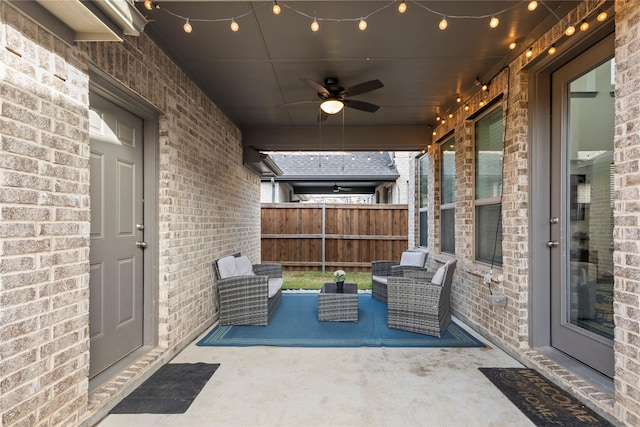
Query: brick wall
x,y
626,220
208,207
509,326
44,227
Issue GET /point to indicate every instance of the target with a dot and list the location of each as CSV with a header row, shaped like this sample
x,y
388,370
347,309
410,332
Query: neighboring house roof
x,y
322,173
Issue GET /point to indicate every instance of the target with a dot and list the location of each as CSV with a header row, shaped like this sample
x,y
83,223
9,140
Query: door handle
x,y
552,243
141,245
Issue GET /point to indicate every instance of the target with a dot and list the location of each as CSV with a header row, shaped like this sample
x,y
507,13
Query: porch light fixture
x,y
533,5
331,106
402,7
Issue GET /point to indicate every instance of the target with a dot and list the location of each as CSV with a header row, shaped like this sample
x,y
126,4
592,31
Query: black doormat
x,y
542,401
170,390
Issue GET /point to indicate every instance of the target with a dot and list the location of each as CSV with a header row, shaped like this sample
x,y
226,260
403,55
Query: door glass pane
x,y
590,201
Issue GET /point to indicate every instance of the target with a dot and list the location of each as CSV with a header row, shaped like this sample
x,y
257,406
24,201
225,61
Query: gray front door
x,y
581,240
116,280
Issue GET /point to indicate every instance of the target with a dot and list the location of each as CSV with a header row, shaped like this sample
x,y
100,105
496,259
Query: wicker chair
x,y
250,298
382,270
421,306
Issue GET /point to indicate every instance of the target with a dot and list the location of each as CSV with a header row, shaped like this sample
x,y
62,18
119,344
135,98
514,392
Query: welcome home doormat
x,y
170,390
542,401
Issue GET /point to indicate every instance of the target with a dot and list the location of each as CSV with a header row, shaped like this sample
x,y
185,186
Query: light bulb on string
x,y
402,7
443,24
276,8
602,16
485,87
533,5
362,25
451,115
570,30
494,22
482,103
433,133
438,118
148,4
314,25
552,49
513,45
529,53
466,107
234,25
187,26
458,99
584,26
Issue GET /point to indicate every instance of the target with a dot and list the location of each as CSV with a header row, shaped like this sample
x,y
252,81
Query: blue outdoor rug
x,y
296,324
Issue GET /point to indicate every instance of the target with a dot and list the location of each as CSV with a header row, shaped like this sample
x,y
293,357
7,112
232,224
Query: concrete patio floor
x,y
276,386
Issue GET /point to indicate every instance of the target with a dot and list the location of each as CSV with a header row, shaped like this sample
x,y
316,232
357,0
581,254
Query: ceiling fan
x,y
338,188
333,96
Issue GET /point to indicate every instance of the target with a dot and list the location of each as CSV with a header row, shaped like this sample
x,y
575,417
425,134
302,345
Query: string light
x,y
187,27
451,115
148,4
570,30
362,24
533,5
513,45
458,99
314,25
438,118
433,133
482,103
584,26
466,107
529,53
494,22
443,24
234,25
485,87
602,16
276,8
552,49
402,7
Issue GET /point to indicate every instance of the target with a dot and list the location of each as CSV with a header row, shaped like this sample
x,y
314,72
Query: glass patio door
x,y
581,240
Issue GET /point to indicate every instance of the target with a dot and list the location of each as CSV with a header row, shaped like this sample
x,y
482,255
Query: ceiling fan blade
x,y
317,86
288,104
362,88
361,105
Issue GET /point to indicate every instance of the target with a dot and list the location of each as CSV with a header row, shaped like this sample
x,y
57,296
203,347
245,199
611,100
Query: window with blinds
x,y
489,149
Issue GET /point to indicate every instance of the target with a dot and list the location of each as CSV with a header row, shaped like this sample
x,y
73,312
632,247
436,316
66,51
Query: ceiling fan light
x,y
331,106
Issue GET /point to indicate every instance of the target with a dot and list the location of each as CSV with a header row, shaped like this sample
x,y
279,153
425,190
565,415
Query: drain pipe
x,y
273,189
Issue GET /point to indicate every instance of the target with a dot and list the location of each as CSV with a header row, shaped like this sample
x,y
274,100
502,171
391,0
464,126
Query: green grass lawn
x,y
315,280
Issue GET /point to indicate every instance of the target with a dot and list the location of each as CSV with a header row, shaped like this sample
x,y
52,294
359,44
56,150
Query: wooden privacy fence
x,y
319,237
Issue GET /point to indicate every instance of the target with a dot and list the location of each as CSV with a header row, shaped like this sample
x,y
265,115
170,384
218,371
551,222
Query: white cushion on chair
x,y
380,279
275,284
439,276
244,267
414,259
227,267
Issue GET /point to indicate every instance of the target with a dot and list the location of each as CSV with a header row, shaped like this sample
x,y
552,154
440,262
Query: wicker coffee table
x,y
338,307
